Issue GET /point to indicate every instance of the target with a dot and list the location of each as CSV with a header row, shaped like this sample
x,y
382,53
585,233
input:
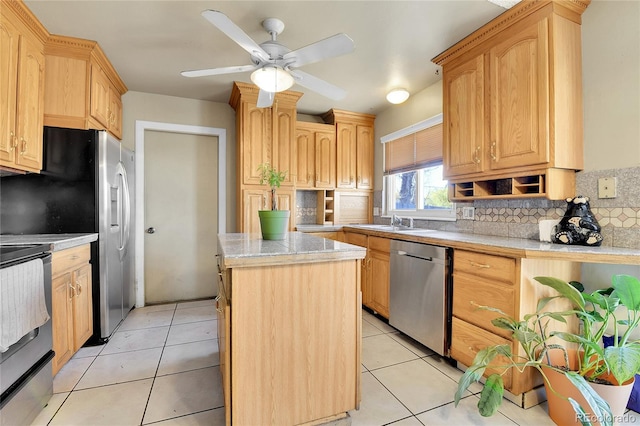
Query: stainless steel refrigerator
x,y
85,186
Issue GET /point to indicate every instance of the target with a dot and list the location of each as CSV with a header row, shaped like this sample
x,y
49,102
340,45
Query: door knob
x,y
151,230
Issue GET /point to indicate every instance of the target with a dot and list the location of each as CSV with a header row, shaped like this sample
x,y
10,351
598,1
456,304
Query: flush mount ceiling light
x,y
272,79
397,96
507,4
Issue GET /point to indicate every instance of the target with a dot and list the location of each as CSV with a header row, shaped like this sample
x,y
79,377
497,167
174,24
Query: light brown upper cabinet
x,y
354,158
22,67
512,94
316,156
264,135
83,90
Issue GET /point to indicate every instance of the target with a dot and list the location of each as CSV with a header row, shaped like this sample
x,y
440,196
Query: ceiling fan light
x,y
397,96
272,79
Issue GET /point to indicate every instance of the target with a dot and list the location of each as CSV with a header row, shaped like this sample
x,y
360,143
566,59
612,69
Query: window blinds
x,y
413,151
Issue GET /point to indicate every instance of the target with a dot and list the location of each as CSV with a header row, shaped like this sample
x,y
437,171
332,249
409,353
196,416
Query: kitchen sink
x,y
399,229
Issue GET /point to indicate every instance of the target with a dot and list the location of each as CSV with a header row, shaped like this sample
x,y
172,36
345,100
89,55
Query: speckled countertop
x,y
247,250
57,241
515,247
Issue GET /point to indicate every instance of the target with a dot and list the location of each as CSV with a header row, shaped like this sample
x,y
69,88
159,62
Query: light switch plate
x,y
607,187
376,211
468,213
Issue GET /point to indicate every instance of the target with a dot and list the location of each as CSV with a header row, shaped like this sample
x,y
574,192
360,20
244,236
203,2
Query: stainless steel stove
x,y
26,382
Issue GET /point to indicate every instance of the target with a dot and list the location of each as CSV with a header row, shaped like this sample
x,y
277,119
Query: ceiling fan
x,y
274,66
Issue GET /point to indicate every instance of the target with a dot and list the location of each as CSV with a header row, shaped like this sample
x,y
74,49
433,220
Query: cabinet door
x,y
255,148
62,320
346,156
325,160
464,120
286,201
284,148
82,308
379,281
306,158
364,157
9,38
520,99
99,96
115,113
253,200
30,105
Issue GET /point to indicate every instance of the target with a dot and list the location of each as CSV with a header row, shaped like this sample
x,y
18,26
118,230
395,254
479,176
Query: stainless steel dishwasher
x,y
419,293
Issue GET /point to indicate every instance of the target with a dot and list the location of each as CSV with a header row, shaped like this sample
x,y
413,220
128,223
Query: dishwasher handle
x,y
404,253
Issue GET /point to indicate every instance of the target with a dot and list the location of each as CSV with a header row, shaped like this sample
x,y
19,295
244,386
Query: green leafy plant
x,y
533,334
272,177
614,311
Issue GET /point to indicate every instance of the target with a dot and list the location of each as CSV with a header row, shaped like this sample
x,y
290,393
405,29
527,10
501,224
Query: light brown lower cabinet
x,y
481,279
72,312
290,342
378,254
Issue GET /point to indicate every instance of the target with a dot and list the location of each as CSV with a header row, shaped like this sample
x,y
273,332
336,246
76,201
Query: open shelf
x,y
554,184
325,207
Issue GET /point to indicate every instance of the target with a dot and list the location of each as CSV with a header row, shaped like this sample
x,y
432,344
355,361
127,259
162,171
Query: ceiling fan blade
x,y
235,33
218,71
339,44
265,99
318,85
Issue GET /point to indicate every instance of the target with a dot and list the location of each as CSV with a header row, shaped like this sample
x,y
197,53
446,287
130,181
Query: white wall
x,y
611,84
169,109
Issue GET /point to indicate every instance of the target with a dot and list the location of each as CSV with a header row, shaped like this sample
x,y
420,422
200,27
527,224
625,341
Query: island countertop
x,y
247,250
56,241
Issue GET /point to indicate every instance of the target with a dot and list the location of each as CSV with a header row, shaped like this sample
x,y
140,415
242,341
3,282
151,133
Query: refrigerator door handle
x,y
126,213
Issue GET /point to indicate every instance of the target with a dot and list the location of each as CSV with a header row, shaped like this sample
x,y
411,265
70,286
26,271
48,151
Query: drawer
x,y
69,259
380,244
469,292
357,239
485,265
467,340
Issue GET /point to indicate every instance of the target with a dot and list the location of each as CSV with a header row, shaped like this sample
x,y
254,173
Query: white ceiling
x,y
150,42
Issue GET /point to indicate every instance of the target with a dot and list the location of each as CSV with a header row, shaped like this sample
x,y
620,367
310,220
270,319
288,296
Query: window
x,y
413,182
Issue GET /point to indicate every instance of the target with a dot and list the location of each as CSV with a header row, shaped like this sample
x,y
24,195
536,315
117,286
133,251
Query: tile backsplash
x,y
306,207
619,217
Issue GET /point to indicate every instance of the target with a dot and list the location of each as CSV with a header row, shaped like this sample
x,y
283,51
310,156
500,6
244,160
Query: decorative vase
x,y
560,409
274,224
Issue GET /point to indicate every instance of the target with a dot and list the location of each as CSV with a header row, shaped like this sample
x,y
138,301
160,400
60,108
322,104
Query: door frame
x,y
141,127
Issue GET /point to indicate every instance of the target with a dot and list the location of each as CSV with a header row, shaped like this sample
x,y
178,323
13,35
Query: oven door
x,y
25,368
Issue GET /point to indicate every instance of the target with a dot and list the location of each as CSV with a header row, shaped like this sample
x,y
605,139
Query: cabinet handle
x,y
73,290
24,146
351,179
493,151
480,265
476,155
12,141
78,289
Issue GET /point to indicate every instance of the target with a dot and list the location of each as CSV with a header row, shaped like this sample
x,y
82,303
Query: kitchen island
x,y
289,323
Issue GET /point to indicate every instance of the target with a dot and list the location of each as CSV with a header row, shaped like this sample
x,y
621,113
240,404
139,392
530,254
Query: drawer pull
x,y
480,265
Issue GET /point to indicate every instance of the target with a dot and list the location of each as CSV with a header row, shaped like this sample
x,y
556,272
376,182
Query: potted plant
x,y
535,336
274,222
613,313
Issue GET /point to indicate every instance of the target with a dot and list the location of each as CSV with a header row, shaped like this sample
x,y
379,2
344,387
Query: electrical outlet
x,y
607,187
376,211
468,213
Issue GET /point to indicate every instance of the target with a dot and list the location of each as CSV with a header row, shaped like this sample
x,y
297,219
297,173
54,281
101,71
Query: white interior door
x,y
181,216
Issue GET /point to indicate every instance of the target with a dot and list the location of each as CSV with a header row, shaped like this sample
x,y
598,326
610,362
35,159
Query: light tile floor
x,y
162,367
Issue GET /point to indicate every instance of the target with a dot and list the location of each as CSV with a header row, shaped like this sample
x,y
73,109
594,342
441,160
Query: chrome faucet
x,y
397,221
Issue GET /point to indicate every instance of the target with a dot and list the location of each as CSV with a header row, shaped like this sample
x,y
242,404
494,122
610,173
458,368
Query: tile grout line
x,y
153,381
